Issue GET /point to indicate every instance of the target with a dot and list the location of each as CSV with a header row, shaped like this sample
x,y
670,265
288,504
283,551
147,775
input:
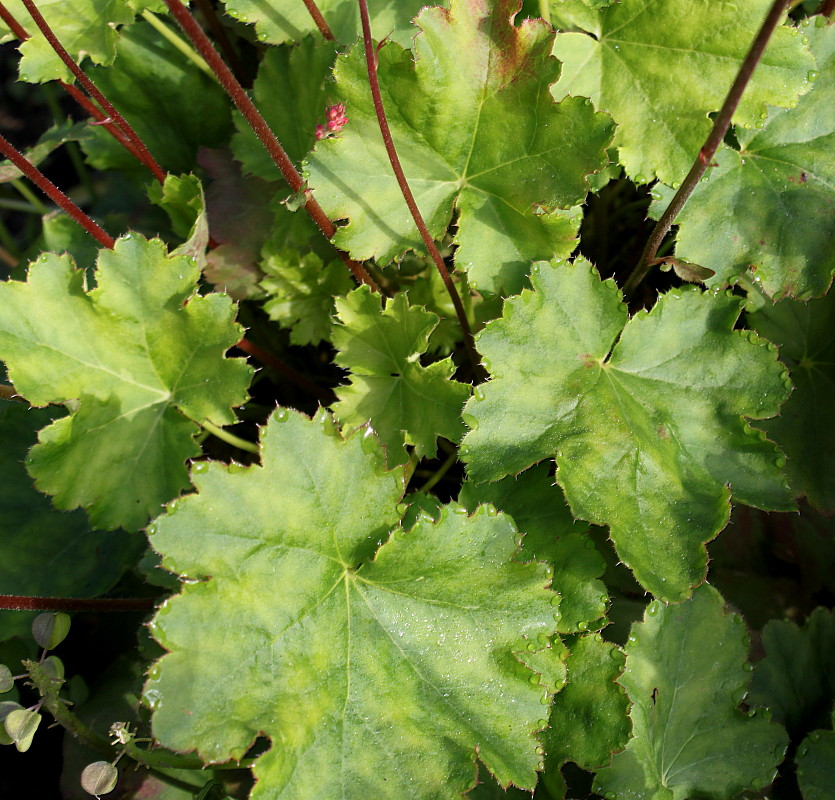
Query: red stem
x,y
14,26
219,32
11,602
74,91
705,157
324,396
827,8
55,194
260,127
131,134
323,27
371,64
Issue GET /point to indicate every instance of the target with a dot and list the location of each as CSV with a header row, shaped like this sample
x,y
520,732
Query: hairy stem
x,y
705,157
261,129
230,438
219,32
323,27
394,159
11,602
55,194
91,88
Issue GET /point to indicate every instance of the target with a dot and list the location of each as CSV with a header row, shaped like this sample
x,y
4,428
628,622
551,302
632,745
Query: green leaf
x,y
36,540
173,106
277,21
477,132
405,402
49,141
143,356
647,440
21,726
84,28
290,92
589,717
777,194
805,429
333,646
50,629
816,766
795,680
685,674
648,55
551,534
301,292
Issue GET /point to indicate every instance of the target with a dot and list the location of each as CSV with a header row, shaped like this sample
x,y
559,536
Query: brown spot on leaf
x,y
662,432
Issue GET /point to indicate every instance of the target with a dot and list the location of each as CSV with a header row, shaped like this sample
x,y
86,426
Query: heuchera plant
x,y
426,465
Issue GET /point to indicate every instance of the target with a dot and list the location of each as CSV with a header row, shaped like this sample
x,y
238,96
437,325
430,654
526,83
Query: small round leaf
x,y
6,679
98,778
6,707
50,629
55,667
21,726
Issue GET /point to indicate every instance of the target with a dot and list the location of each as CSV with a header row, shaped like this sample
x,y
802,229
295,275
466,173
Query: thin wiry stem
x,y
705,157
11,602
54,193
219,32
371,64
93,91
261,129
323,26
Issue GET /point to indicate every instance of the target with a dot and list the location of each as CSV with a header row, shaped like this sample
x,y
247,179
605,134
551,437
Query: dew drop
x,y
534,680
812,76
676,185
531,646
540,751
200,466
470,421
24,76
753,338
780,462
151,529
172,506
281,415
652,609
640,179
542,724
478,393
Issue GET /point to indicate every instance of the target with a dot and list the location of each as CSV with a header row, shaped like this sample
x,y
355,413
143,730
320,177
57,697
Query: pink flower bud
x,y
321,133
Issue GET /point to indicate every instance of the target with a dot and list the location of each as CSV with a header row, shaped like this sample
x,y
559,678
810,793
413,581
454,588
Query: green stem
x,y
181,44
27,194
545,10
230,438
442,470
19,205
154,760
7,240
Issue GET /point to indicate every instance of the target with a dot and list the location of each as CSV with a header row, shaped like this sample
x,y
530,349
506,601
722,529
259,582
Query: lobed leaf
x,y
143,363
589,717
36,540
290,92
419,646
816,765
277,21
405,402
477,132
551,534
83,27
685,674
795,679
648,439
151,85
776,192
645,60
805,333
